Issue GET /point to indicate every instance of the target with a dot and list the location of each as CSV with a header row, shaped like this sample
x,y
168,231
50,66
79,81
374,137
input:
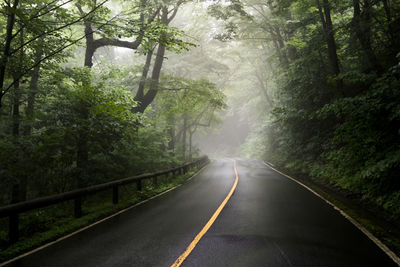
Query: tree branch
x,y
116,42
59,28
49,56
49,10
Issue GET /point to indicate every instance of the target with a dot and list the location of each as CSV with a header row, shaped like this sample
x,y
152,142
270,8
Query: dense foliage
x,y
316,81
335,111
68,119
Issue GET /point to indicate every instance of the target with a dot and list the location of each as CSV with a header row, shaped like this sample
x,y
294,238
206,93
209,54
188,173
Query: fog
x,y
231,65
96,91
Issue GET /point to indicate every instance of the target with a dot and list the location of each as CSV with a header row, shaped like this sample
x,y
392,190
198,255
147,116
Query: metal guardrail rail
x,y
13,210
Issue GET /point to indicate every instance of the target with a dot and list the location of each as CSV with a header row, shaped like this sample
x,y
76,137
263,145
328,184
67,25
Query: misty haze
x,y
199,133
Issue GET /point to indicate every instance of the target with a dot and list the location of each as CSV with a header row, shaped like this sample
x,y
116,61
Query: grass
x,y
45,225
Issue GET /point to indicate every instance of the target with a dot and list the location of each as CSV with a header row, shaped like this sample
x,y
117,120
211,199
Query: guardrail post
x,y
13,233
115,194
139,185
79,195
78,207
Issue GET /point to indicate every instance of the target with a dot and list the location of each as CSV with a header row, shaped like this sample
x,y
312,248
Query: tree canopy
x,y
67,106
331,73
98,90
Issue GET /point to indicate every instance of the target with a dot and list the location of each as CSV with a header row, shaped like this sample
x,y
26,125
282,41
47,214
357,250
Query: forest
x,y
72,118
331,81
93,91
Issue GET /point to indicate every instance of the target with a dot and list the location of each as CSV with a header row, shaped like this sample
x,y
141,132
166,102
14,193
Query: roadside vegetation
x,y
93,91
44,225
324,103
86,98
329,73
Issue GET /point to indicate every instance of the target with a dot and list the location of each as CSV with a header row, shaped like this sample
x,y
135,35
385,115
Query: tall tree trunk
x,y
326,21
145,100
33,87
17,90
19,189
325,16
7,45
91,46
140,93
16,105
16,186
362,28
90,49
155,79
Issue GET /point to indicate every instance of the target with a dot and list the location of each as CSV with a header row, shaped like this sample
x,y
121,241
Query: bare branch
x,y
174,11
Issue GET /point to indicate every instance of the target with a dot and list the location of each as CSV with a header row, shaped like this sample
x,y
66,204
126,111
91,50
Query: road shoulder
x,y
371,222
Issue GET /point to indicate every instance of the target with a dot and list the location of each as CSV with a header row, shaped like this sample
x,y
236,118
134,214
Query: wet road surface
x,y
269,221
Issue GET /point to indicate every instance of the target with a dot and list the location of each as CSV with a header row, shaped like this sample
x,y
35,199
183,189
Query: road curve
x,y
273,221
269,221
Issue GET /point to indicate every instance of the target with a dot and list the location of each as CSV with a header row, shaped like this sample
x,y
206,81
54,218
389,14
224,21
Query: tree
x,y
7,45
25,29
48,20
334,81
187,105
167,41
148,25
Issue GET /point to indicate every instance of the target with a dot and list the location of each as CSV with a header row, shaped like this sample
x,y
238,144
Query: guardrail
x,y
13,210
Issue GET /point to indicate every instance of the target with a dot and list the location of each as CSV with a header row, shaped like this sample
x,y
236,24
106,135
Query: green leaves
x,y
190,96
172,38
342,128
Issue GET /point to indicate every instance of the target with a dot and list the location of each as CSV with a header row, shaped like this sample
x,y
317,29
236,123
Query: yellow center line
x,y
203,231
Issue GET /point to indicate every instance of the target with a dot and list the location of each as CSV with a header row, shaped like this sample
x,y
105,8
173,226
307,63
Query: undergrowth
x,y
45,225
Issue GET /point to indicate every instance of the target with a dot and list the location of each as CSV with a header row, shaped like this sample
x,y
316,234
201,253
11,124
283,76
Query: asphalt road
x,y
269,221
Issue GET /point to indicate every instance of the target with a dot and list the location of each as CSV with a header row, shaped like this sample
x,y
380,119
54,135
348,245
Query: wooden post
x,y
78,207
13,233
155,181
115,194
139,185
